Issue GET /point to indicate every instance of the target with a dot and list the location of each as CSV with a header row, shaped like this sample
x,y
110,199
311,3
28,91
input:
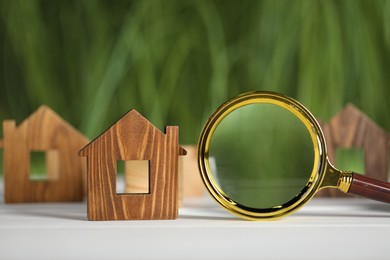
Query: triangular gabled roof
x,y
351,112
43,116
348,120
129,117
354,113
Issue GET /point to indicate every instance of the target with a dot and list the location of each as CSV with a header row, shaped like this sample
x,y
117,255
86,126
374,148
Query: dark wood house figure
x,y
133,138
47,133
351,128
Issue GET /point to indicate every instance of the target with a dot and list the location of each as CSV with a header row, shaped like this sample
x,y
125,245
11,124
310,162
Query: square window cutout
x,y
350,160
44,165
132,177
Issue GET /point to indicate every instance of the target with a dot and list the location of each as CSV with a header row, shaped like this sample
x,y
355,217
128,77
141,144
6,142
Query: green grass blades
x,y
176,61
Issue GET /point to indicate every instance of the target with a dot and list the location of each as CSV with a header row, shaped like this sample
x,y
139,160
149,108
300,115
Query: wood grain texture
x,y
369,188
133,138
44,130
351,128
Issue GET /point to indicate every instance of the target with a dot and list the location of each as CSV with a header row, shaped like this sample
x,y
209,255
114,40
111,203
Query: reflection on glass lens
x,y
261,155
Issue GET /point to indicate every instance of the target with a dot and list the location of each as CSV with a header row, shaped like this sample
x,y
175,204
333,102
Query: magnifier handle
x,y
370,188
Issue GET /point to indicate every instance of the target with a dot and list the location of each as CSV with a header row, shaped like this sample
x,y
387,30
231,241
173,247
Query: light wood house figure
x,y
44,131
133,138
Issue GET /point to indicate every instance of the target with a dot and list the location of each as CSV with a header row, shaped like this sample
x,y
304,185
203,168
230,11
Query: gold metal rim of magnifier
x,y
320,159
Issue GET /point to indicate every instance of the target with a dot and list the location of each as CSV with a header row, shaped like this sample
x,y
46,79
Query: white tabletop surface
x,y
323,229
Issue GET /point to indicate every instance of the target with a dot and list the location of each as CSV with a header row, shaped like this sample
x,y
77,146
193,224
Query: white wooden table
x,y
324,229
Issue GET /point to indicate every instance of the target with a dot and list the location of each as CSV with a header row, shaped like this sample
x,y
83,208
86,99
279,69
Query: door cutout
x,y
44,165
132,177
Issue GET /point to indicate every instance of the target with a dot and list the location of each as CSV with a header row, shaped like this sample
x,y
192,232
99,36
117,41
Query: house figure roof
x,y
131,128
39,124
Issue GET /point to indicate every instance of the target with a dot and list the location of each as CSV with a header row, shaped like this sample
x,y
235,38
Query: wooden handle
x,y
370,188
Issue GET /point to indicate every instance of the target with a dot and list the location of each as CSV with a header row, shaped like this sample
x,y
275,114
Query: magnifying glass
x,y
262,155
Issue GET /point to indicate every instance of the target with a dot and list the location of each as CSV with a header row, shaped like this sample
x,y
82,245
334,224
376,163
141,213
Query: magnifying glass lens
x,y
261,156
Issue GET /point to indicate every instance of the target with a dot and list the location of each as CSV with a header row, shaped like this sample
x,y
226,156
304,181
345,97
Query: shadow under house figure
x,y
351,128
133,138
44,131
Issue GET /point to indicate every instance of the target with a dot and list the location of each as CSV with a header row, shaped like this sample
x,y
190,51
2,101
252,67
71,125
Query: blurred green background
x,y
176,61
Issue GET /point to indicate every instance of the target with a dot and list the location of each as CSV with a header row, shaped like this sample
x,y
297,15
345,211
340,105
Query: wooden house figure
x,y
43,131
351,128
133,138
